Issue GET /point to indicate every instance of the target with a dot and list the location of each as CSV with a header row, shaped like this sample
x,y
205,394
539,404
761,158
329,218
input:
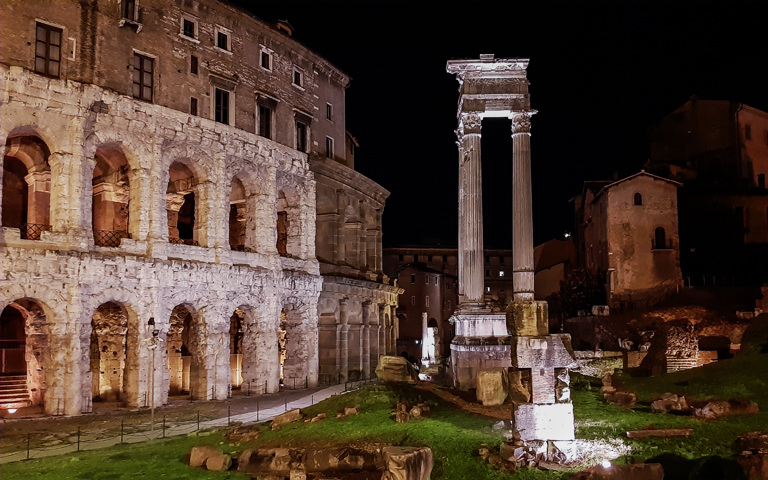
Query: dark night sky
x,y
600,74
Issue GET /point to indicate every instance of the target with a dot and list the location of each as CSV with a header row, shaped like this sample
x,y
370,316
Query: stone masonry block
x,y
528,318
545,422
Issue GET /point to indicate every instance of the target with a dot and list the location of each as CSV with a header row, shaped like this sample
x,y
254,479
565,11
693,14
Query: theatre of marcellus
x,y
180,209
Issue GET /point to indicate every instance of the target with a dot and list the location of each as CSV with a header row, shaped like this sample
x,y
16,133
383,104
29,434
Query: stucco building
x,y
166,168
719,150
627,232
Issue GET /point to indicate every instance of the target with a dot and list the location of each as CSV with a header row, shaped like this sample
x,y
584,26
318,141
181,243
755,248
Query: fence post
x,y
286,404
163,426
122,427
78,439
198,420
229,415
257,410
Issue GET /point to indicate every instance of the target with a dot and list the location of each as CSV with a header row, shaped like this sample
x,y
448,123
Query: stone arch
x,y
290,219
260,364
112,349
30,352
186,222
238,215
26,189
111,194
297,344
186,345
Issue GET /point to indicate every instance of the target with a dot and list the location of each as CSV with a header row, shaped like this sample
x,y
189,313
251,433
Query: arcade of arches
x,y
107,224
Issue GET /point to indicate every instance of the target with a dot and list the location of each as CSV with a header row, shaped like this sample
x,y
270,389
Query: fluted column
x,y
344,339
470,211
522,213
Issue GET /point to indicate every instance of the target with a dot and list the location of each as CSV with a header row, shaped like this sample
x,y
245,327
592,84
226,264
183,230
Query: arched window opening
x,y
660,239
282,233
236,347
185,366
180,205
638,198
111,196
108,352
25,354
26,186
237,215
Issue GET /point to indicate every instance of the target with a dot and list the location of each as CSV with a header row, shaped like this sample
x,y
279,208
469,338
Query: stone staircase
x,y
13,391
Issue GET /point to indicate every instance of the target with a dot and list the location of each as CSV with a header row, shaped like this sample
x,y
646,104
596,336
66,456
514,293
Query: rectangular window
x,y
143,81
265,121
328,111
445,258
301,136
487,273
193,65
221,107
328,147
426,301
48,50
415,258
298,77
193,106
128,9
222,40
501,273
400,257
449,304
429,258
413,299
266,60
501,259
435,280
426,279
189,27
413,278
748,132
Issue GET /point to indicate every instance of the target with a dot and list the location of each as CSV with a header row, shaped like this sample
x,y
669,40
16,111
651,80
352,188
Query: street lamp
x,y
153,342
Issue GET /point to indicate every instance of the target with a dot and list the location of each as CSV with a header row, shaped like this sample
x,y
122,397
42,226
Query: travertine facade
x,y
159,207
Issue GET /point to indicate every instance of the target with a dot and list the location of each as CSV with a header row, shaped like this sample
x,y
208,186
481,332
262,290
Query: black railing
x,y
32,231
109,238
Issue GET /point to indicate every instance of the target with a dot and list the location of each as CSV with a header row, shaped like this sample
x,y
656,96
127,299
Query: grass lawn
x,y
455,435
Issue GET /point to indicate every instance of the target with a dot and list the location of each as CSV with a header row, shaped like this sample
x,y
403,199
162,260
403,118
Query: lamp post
x,y
153,342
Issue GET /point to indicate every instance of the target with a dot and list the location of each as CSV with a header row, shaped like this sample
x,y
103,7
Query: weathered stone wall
x,y
70,277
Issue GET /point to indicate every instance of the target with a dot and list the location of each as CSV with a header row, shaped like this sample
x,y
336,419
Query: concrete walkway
x,y
267,408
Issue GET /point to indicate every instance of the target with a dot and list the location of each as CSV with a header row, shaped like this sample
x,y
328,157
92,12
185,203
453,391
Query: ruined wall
x,y
70,277
358,302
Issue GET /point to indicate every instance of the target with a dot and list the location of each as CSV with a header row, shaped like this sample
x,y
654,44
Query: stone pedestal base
x,y
545,422
470,355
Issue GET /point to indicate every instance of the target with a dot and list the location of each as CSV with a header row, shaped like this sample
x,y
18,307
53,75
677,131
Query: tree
x,y
580,290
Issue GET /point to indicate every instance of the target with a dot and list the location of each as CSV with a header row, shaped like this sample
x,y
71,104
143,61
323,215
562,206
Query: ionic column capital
x,y
521,122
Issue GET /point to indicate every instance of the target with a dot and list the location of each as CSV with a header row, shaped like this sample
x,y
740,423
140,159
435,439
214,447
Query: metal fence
x,y
40,445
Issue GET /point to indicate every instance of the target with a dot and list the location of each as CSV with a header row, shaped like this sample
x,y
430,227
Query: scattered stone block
x,y
218,462
634,471
319,417
200,453
660,432
754,442
407,463
396,369
755,466
720,408
352,410
492,386
288,417
670,402
622,399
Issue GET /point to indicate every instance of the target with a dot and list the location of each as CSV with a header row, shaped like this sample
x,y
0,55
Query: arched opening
x,y
237,215
25,354
638,198
26,186
109,352
185,364
111,196
236,323
289,218
659,239
180,205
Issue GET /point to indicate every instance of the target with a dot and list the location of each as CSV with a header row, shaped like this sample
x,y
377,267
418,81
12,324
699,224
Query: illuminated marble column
x,y
522,212
471,279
